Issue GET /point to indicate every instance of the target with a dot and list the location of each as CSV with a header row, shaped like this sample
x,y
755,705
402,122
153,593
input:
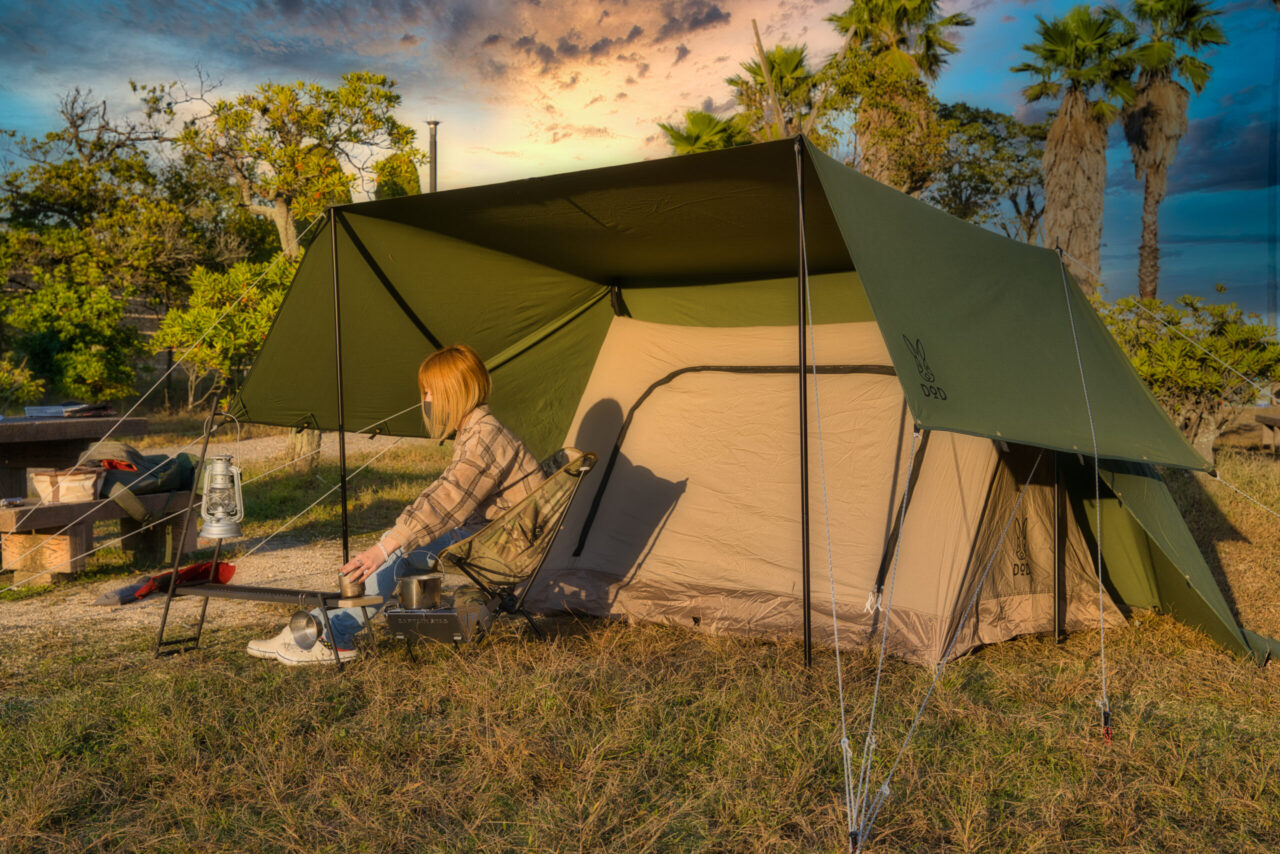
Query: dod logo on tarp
x,y
929,388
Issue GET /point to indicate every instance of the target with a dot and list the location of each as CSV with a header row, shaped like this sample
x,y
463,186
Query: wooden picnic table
x,y
1270,421
51,442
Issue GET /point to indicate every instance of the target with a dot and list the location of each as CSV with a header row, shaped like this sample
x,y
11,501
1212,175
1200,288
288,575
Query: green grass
x,y
610,737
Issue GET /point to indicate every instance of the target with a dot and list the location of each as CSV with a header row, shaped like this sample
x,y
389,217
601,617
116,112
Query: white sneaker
x,y
293,655
270,647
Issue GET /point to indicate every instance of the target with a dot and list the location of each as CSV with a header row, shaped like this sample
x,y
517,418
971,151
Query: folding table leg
x,y
328,631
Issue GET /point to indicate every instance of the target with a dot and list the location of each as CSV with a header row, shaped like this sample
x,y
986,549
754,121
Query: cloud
x,y
559,132
543,52
688,16
681,53
1227,151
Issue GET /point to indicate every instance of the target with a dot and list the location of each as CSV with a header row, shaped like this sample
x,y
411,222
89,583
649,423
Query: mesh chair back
x,y
509,550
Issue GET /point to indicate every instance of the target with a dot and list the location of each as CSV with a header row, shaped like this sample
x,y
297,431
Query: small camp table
x,y
55,442
322,599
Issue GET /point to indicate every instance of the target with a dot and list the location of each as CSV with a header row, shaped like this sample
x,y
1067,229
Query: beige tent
x,y
696,523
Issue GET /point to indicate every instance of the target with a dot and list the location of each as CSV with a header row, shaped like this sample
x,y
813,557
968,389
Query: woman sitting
x,y
490,471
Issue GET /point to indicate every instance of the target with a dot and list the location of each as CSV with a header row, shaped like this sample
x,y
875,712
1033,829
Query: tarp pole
x,y
1059,554
802,293
337,354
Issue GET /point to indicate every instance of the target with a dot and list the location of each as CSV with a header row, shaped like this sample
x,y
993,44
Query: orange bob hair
x,y
458,382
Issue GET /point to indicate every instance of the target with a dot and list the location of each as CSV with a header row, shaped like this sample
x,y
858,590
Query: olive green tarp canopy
x,y
988,336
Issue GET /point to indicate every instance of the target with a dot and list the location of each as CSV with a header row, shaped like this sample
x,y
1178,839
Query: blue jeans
x,y
346,622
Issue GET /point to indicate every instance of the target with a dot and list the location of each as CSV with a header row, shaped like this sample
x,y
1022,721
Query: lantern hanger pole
x,y
186,525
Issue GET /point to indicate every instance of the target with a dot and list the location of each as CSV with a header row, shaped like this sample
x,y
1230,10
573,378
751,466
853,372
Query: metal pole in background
x,y
802,291
1273,177
432,124
337,355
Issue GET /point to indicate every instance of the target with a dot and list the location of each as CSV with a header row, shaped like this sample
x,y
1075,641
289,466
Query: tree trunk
x,y
1204,439
1153,125
303,450
1149,251
1075,181
283,219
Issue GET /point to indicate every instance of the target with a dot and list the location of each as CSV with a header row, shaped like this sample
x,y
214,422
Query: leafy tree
x,y
702,131
893,51
242,302
1201,361
93,239
1157,118
397,176
17,384
1084,59
71,325
287,148
897,136
792,80
992,173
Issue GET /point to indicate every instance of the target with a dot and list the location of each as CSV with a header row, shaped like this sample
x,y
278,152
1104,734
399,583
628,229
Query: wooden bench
x,y
55,552
1270,423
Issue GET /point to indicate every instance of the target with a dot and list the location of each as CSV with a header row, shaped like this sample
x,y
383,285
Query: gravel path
x,y
283,562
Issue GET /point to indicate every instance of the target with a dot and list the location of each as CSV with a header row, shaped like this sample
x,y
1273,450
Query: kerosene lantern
x,y
223,505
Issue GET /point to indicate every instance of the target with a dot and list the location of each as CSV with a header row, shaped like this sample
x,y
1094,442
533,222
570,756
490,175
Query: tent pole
x,y
802,293
337,353
1059,550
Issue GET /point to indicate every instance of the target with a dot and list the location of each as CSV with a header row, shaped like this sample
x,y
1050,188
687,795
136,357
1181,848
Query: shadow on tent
x,y
642,497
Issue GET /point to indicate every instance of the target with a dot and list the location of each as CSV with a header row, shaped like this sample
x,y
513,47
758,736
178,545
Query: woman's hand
x,y
365,564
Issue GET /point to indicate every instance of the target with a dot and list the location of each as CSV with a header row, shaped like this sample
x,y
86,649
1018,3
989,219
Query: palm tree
x,y
908,35
792,80
703,131
907,43
1083,58
1157,118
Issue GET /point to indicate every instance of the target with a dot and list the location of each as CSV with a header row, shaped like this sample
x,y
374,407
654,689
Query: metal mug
x,y
306,629
348,588
418,592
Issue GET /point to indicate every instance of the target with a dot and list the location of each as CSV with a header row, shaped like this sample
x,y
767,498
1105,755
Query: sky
x,y
531,87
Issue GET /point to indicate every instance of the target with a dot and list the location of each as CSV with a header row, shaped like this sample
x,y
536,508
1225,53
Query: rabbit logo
x,y
1021,552
1020,538
928,387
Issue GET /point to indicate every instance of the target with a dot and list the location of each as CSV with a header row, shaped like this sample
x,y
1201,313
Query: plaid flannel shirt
x,y
490,471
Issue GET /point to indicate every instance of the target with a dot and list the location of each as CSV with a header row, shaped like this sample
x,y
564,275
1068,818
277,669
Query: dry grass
x,y
616,738
609,737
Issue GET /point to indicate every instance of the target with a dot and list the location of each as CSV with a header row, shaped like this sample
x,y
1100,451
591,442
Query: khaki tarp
x,y
502,266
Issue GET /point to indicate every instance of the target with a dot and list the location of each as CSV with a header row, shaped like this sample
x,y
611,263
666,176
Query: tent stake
x,y
337,352
802,292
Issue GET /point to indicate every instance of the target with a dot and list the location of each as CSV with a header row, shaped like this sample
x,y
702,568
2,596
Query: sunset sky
x,y
529,87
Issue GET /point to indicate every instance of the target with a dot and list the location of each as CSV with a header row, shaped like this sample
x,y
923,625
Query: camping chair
x,y
504,557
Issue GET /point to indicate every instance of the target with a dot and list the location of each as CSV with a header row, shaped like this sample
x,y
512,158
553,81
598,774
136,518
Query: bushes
x,y
246,298
1200,361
